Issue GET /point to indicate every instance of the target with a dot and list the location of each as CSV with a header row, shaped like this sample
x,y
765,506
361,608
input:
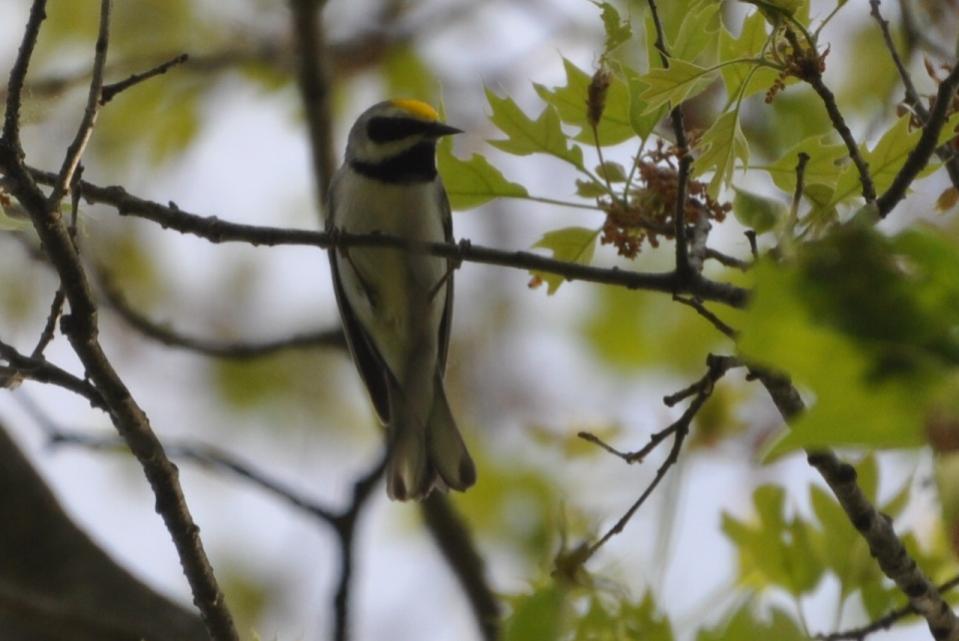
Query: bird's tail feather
x,y
424,457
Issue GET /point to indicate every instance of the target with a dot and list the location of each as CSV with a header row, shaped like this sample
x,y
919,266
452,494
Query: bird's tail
x,y
424,457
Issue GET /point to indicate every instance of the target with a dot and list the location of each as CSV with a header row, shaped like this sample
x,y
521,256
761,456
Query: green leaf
x,y
527,136
617,30
590,189
775,551
539,616
471,183
673,85
749,44
642,119
623,620
746,625
823,168
611,171
570,103
843,550
570,244
698,33
720,147
778,11
756,212
635,330
866,323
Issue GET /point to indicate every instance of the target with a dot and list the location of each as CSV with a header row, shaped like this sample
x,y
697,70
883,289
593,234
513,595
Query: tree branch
x,y
110,91
882,623
343,522
912,96
18,73
314,82
685,161
919,156
82,331
42,371
718,366
218,231
809,71
875,527
218,349
454,540
72,158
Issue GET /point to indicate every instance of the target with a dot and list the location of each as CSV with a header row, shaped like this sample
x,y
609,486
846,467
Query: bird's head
x,y
390,128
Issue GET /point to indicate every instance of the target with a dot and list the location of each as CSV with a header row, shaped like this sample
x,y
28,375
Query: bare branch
x,y
50,325
451,534
42,371
802,160
218,231
919,156
912,96
812,74
686,160
72,158
882,623
313,76
875,527
236,350
18,74
110,91
725,259
714,320
81,329
343,522
718,366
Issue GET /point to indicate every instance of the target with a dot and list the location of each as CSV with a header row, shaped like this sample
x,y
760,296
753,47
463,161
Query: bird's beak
x,y
439,129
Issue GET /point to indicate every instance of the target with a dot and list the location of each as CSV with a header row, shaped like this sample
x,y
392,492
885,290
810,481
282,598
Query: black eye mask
x,y
382,129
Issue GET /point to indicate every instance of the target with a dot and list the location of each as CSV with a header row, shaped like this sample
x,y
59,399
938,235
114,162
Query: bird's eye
x,y
383,129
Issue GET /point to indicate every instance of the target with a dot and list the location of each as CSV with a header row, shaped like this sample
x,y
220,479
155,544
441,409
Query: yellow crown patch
x,y
416,107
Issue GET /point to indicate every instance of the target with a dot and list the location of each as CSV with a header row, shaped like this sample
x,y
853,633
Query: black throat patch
x,y
415,165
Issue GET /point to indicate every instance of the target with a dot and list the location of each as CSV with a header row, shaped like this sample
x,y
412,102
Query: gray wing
x,y
368,361
444,338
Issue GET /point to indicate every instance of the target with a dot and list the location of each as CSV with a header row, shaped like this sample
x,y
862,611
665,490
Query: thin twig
x,y
717,367
912,96
43,371
801,161
71,159
217,231
236,350
679,429
813,76
919,156
884,622
685,161
708,315
50,325
727,260
111,90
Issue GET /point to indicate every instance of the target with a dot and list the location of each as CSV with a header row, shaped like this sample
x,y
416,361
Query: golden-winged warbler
x,y
396,304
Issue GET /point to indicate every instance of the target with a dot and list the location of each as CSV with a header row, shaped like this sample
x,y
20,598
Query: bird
x,y
395,304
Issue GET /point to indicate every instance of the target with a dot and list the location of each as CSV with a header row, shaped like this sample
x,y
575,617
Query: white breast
x,y
390,290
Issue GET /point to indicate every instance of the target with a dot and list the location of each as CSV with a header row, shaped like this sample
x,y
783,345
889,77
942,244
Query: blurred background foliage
x,y
739,547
